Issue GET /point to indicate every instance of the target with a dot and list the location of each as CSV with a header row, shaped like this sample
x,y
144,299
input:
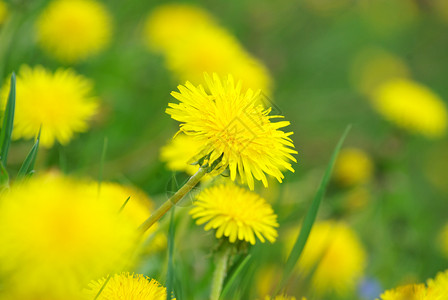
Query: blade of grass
x,y
233,275
8,122
170,272
310,217
28,164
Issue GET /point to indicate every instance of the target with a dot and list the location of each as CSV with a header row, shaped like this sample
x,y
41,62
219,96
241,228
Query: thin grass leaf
x,y
28,164
8,122
170,272
233,275
310,217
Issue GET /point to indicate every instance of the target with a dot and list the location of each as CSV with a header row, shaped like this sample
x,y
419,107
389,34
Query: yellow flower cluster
x,y
73,30
234,129
126,286
436,289
412,107
334,256
59,103
235,213
193,43
57,235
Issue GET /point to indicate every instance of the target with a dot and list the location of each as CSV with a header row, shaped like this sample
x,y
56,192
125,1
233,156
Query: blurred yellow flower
x,y
443,239
57,236
353,167
438,287
336,256
236,213
375,66
72,30
407,292
193,43
236,130
126,286
180,152
137,208
3,12
58,102
411,106
170,24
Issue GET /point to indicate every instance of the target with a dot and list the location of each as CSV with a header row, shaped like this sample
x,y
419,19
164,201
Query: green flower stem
x,y
165,207
222,258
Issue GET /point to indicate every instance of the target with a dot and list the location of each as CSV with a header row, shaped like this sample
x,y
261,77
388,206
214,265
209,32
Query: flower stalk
x,y
168,204
220,273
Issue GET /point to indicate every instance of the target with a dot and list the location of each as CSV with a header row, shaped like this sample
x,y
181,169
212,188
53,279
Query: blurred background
x,y
322,63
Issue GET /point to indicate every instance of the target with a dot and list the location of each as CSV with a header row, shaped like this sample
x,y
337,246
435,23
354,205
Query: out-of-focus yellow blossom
x,y
73,30
181,152
353,167
407,292
336,256
235,128
235,213
126,286
56,237
138,208
438,287
3,12
60,103
169,25
412,107
373,67
443,239
193,43
267,279
440,9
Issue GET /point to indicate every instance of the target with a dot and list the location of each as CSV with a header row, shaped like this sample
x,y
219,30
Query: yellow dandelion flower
x,y
438,287
72,30
193,43
443,240
59,237
133,203
411,106
337,257
126,286
58,102
353,167
375,66
216,51
3,12
406,292
180,152
169,24
235,128
235,213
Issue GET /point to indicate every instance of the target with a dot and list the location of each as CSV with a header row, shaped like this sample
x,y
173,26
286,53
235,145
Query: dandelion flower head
x,y
59,237
412,107
406,292
337,257
168,25
3,11
126,286
353,167
72,30
59,102
235,128
132,203
235,213
438,287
